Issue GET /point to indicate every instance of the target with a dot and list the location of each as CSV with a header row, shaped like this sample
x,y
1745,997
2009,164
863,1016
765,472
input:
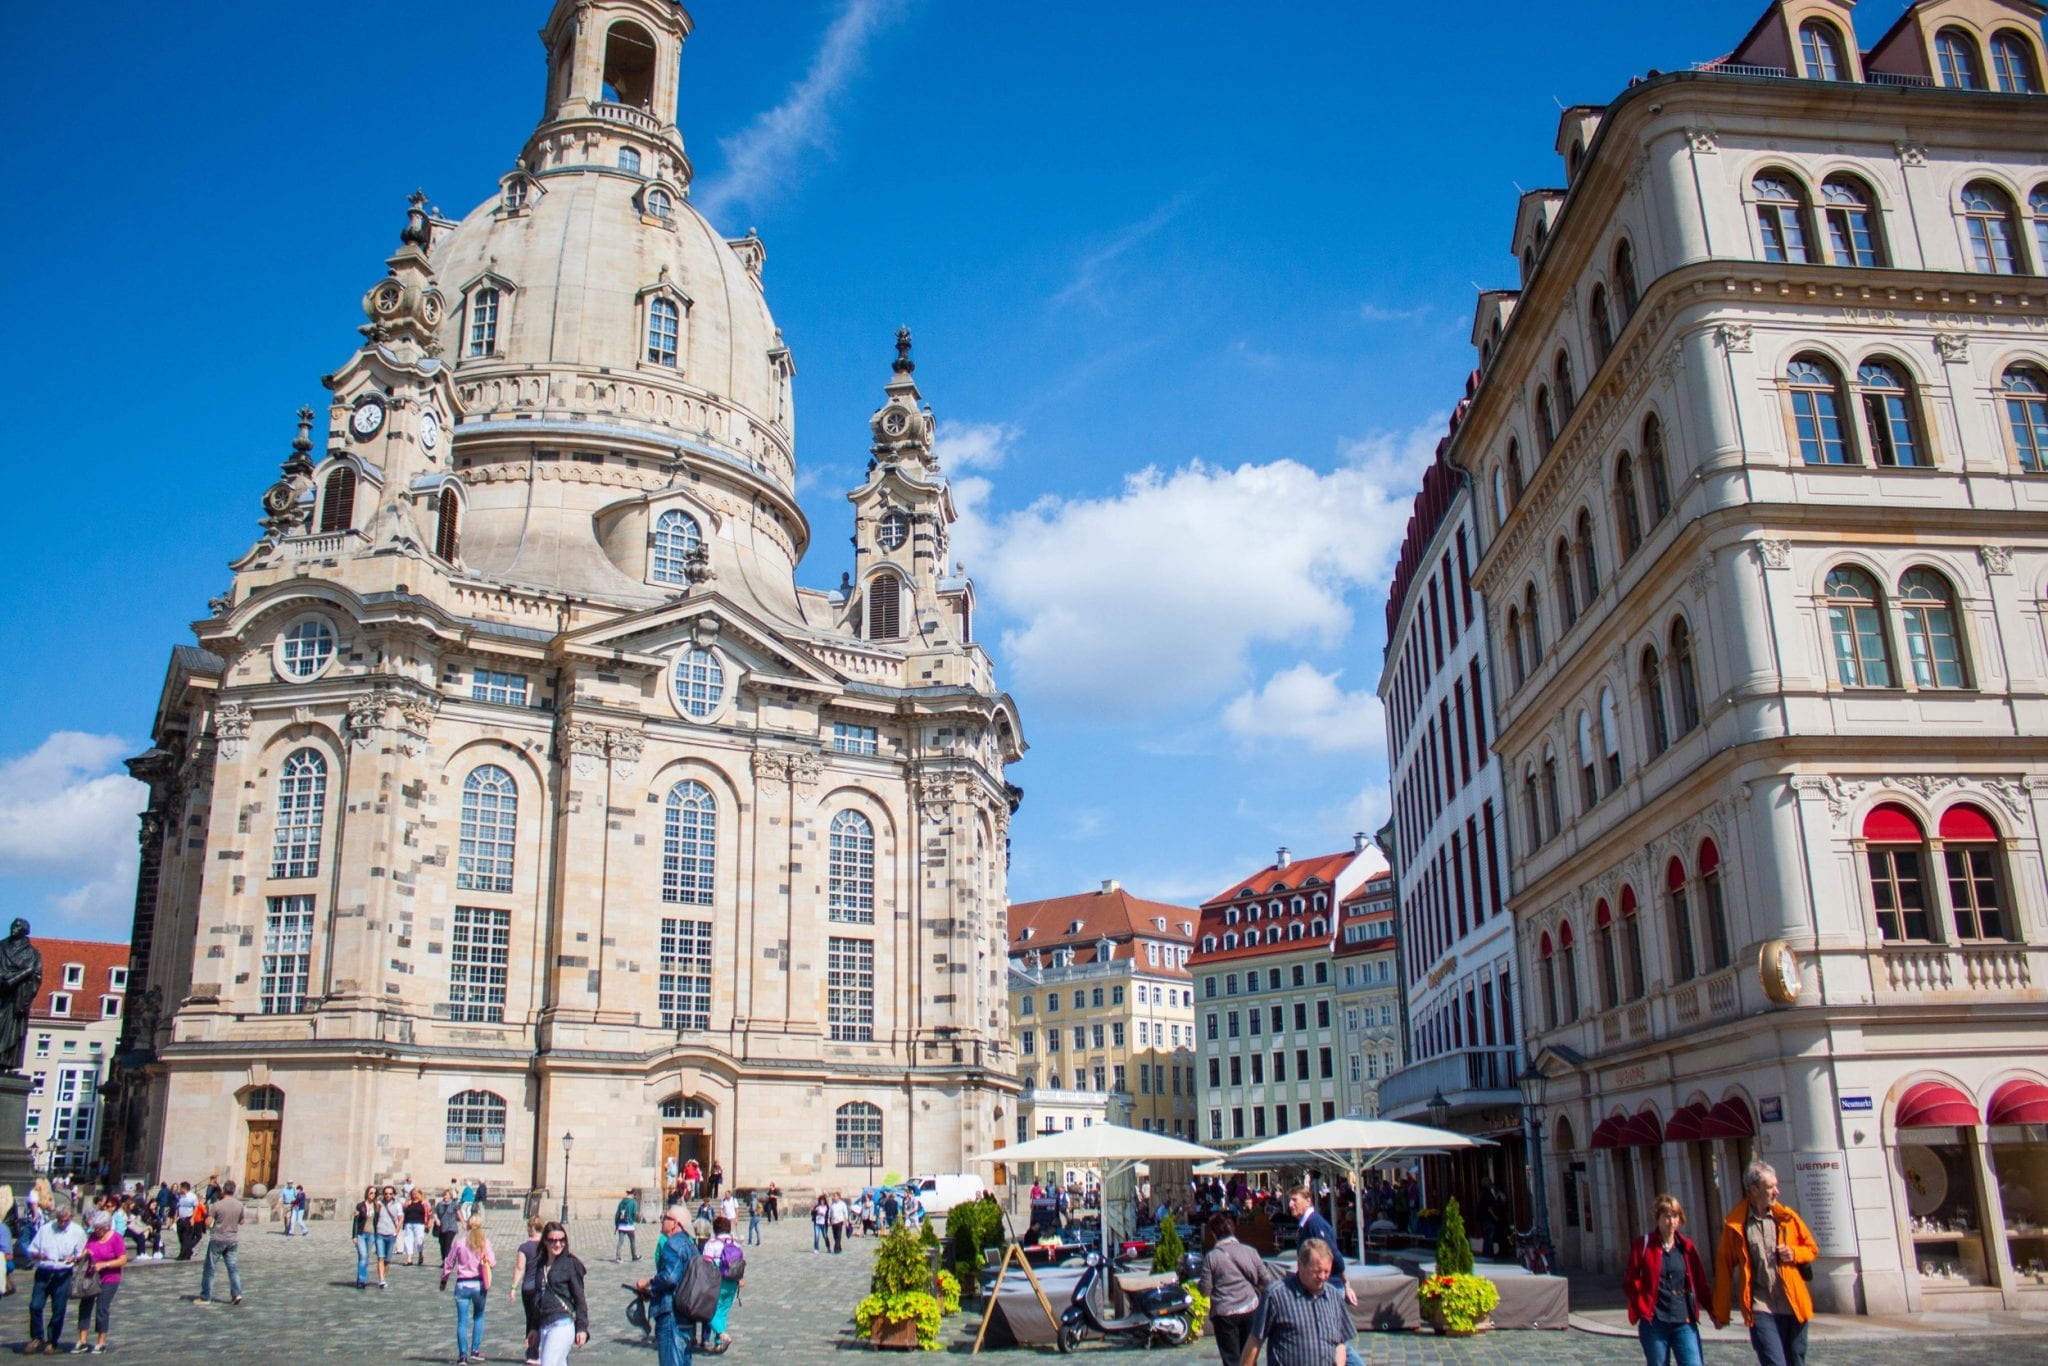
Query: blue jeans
x,y
1662,1341
1778,1339
469,1319
54,1289
387,1243
225,1252
672,1345
754,1228
366,1247
820,1238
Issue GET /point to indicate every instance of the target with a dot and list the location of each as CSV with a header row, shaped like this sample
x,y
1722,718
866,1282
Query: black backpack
x,y
696,1294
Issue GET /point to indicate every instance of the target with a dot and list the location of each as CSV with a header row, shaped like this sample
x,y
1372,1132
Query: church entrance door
x,y
260,1169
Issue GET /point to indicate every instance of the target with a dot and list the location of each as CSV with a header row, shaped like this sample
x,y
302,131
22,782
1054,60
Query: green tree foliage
x,y
1453,1249
1166,1256
900,1264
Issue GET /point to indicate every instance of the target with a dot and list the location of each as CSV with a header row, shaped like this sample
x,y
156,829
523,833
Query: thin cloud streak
x,y
1087,279
762,157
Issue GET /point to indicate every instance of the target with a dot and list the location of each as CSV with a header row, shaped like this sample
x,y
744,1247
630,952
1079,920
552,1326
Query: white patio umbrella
x,y
1112,1147
1356,1146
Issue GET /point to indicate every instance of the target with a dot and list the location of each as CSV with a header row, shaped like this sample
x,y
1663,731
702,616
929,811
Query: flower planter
x,y
899,1334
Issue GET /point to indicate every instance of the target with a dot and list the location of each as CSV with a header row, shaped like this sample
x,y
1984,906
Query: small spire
x,y
904,364
300,461
416,233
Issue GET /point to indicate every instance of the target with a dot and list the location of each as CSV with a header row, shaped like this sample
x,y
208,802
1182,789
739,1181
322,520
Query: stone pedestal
x,y
16,1169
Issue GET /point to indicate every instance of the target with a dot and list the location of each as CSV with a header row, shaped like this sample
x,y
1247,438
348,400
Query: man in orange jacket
x,y
1761,1268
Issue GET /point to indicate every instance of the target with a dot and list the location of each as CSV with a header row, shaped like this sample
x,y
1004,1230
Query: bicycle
x,y
1532,1251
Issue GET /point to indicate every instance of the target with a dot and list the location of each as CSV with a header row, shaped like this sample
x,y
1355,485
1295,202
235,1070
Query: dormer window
x,y
2012,62
447,524
660,204
482,332
1073,927
1821,47
514,198
338,500
74,976
1025,937
676,534
1955,53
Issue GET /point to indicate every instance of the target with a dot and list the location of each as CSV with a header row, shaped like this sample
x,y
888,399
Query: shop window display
x,y
2019,1163
1942,1202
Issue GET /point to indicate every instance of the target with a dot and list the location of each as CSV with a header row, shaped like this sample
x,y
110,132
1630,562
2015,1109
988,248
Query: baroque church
x,y
515,793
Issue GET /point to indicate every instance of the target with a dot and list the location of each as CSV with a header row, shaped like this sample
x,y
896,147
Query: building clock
x,y
368,418
1778,968
895,422
430,430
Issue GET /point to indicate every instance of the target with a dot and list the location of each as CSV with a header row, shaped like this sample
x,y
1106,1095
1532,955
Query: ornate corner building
x,y
515,788
1759,452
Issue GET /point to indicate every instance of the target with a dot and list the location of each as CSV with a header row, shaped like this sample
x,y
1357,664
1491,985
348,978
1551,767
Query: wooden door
x,y
261,1167
671,1155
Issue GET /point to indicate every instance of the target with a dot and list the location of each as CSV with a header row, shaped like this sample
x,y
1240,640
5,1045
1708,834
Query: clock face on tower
x,y
894,531
895,422
430,429
368,418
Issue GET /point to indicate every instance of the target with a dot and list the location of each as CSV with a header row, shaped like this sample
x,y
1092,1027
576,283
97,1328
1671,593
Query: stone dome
x,y
574,260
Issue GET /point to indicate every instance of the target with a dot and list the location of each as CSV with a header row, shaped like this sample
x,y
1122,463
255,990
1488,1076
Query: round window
x,y
305,649
895,530
699,683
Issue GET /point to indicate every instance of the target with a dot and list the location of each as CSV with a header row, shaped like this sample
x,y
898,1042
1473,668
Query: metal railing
x,y
1740,69
1899,78
1454,1075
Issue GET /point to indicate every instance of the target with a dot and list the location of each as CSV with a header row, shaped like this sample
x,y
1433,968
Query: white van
x,y
940,1193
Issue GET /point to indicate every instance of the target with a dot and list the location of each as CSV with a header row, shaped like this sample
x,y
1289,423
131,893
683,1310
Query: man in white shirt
x,y
56,1249
730,1208
838,1219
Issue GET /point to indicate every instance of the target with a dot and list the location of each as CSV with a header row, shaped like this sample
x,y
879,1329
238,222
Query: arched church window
x,y
447,517
338,500
301,803
857,1134
664,331
490,821
885,607
660,204
476,1127
851,871
629,66
689,845
676,534
483,316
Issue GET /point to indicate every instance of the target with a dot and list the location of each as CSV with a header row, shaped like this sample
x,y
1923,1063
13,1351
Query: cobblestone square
x,y
797,1307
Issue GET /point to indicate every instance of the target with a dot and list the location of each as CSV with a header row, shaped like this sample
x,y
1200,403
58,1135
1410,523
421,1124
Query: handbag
x,y
88,1287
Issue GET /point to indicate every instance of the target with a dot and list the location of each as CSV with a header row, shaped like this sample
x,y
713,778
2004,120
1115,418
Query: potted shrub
x,y
900,1309
1454,1300
1166,1256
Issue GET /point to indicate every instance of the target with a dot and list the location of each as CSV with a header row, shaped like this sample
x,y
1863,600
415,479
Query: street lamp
x,y
568,1142
1439,1109
1532,1081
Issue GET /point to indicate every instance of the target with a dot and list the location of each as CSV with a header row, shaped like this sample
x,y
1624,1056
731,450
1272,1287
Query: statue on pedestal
x,y
21,977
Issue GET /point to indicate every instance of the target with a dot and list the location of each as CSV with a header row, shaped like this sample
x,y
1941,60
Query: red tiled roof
x,y
1323,868
97,958
1114,915
1301,877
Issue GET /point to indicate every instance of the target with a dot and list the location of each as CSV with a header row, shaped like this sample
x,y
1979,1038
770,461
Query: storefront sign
x,y
1635,1075
1855,1102
1771,1109
1820,1192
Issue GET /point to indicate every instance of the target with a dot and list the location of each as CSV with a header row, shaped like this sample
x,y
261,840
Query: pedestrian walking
x,y
468,1200
753,1220
413,1237
363,1229
717,1177
1766,1253
390,1227
1664,1283
469,1263
724,1252
1302,1319
447,1220
297,1223
626,1226
729,1206
523,1264
56,1250
839,1218
98,1277
1234,1277
189,1225
693,1176
821,1224
774,1210
222,1246
676,1250
559,1306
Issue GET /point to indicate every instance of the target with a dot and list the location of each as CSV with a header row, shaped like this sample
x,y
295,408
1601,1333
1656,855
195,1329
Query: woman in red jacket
x,y
1665,1282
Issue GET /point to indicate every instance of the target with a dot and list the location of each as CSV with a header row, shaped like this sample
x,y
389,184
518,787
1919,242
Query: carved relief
x,y
1735,336
1705,141
231,728
1953,346
415,709
1997,558
624,747
1910,153
584,742
804,771
1775,554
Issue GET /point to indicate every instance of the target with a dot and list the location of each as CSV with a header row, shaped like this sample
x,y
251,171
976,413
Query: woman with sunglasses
x,y
558,1305
363,1228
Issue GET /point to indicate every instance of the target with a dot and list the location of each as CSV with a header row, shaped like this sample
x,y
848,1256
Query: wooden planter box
x,y
900,1335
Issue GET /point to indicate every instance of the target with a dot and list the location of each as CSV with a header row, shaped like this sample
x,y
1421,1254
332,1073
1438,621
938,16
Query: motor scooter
x,y
1157,1315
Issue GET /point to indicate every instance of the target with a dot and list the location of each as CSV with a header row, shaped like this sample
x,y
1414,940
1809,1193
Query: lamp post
x,y
1532,1082
568,1142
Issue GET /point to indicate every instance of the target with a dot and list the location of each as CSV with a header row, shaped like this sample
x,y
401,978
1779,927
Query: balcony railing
x,y
1933,969
1740,69
1469,1076
626,114
1899,78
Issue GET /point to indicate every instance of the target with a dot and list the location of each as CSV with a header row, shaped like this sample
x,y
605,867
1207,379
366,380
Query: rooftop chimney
x,y
1110,884
1358,842
1283,858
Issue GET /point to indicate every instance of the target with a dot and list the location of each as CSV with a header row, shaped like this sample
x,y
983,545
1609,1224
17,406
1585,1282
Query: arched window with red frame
x,y
1895,846
1971,857
1632,945
1605,954
1685,963
1548,959
1720,944
1568,970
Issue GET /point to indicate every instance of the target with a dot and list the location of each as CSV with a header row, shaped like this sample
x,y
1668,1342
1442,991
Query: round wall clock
x,y
1777,967
430,429
368,418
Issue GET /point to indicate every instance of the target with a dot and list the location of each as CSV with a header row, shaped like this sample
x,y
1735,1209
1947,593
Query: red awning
x,y
1935,1105
1729,1119
1637,1131
2019,1102
1686,1123
1603,1133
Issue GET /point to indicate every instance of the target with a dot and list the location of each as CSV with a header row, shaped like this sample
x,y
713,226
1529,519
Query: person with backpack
x,y
555,1297
724,1252
626,1227
673,1257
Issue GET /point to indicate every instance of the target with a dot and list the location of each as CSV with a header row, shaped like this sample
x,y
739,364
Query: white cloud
x,y
1374,313
1155,596
974,445
1303,703
67,817
761,158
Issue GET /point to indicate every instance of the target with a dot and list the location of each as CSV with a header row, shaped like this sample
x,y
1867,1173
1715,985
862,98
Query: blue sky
x,y
1191,286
